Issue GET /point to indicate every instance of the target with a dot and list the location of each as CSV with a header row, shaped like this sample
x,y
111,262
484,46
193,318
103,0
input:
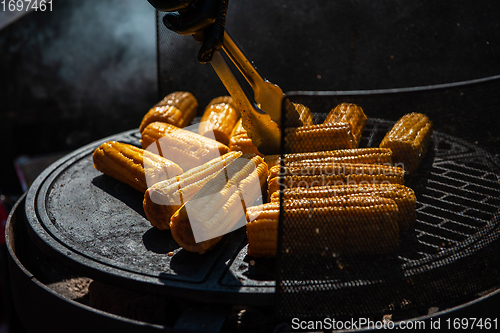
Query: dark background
x,y
88,69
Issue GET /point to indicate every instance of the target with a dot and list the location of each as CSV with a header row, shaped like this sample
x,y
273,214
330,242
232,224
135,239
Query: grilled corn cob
x,y
220,117
319,137
403,196
219,205
239,140
186,148
351,114
346,225
133,165
358,155
314,174
409,139
304,114
178,108
163,199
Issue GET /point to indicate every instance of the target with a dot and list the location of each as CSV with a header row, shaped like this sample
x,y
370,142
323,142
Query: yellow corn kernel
x,y
319,137
186,148
163,199
409,140
177,108
402,195
220,204
351,114
132,165
220,117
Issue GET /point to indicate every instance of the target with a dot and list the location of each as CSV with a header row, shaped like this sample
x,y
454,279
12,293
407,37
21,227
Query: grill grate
x,y
452,253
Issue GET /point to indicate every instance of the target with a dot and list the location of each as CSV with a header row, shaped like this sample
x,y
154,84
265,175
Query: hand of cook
x,y
203,18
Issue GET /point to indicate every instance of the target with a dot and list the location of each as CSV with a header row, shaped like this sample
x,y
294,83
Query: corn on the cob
x,y
219,205
220,117
346,225
313,174
132,165
186,148
177,108
357,155
304,114
239,140
403,196
319,137
351,114
163,199
409,139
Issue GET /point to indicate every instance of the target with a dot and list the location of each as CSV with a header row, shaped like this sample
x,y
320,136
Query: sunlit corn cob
x,y
319,137
402,195
357,155
239,140
330,225
220,117
132,165
262,229
178,108
304,114
186,148
163,199
313,174
219,205
351,114
409,139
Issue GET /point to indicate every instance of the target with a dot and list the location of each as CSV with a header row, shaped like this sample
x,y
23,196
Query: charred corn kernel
x,y
351,114
220,117
186,148
163,199
219,205
177,108
239,140
346,225
357,155
311,175
403,196
409,139
304,114
319,137
132,165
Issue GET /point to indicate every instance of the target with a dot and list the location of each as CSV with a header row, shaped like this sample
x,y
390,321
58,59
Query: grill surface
x,y
72,213
453,252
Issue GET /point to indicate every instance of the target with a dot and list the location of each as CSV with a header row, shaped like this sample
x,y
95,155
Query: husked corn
x,y
409,140
357,155
346,225
403,196
220,117
132,165
319,137
163,199
304,114
220,204
186,148
351,114
177,108
313,174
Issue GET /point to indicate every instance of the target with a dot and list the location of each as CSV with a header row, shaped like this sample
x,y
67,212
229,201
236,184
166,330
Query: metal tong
x,y
261,123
